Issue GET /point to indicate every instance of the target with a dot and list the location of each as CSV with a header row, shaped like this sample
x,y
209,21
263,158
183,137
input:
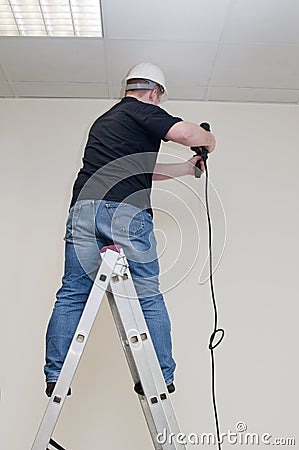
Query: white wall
x,y
255,173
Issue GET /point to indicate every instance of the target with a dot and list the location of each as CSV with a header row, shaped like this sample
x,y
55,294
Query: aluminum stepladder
x,y
114,279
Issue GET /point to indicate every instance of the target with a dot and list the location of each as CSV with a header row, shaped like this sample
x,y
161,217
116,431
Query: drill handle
x,y
201,151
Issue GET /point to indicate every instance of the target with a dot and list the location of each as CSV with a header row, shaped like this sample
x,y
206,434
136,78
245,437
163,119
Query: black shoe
x,y
139,390
50,388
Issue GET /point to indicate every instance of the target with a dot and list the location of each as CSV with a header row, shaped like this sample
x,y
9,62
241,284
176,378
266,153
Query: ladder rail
x,y
74,354
133,368
138,347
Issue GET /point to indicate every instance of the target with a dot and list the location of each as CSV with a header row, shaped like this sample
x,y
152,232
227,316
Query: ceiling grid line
x,y
43,17
226,20
104,29
15,19
10,84
72,17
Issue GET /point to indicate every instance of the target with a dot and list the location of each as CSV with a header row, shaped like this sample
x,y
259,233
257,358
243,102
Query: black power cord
x,y
214,340
55,445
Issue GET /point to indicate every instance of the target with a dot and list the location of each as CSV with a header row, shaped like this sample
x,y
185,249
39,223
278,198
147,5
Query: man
x,y
111,205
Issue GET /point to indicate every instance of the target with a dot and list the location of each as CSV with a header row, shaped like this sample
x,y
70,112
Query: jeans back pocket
x,y
126,218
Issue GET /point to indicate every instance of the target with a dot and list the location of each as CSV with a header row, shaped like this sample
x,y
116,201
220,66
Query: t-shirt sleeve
x,y
156,120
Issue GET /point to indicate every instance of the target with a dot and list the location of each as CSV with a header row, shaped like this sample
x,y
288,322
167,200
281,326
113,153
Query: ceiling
x,y
210,50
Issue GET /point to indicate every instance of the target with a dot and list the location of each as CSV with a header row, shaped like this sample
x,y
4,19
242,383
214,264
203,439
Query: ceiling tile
x,y
168,19
123,54
53,59
266,21
187,92
74,90
257,65
5,90
252,95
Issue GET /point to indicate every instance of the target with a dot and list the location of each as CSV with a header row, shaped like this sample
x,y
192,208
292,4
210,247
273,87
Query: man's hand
x,y
167,171
192,162
212,144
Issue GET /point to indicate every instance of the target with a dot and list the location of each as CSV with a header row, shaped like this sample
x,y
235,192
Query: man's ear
x,y
152,94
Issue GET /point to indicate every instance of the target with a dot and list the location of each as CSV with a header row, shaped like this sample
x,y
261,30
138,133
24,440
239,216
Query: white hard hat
x,y
147,71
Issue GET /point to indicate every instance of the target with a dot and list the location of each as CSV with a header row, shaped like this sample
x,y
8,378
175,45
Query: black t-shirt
x,y
121,153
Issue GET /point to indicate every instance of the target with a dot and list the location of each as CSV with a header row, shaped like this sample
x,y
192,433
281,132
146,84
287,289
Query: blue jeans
x,y
91,225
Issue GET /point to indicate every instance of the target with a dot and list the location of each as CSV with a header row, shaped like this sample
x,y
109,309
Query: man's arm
x,y
167,171
192,135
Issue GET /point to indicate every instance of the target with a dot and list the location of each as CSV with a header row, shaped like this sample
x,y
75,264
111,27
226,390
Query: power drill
x,y
201,151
